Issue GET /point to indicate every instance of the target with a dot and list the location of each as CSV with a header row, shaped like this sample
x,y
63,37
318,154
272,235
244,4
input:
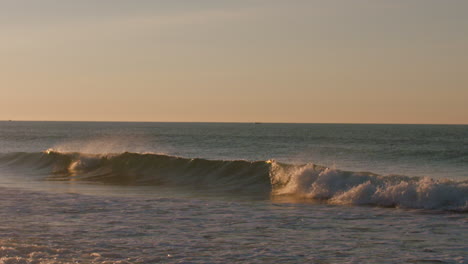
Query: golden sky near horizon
x,y
348,61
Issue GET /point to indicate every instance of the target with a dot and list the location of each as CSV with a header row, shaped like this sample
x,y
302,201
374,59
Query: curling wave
x,y
307,181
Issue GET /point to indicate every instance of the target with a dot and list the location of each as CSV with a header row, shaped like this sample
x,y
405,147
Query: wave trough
x,y
306,181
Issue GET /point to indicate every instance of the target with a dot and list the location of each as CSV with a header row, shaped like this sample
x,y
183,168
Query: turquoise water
x,y
95,192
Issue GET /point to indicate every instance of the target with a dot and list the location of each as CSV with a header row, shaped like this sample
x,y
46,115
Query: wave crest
x,y
306,181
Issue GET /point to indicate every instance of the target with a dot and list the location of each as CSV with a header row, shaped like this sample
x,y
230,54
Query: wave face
x,y
306,181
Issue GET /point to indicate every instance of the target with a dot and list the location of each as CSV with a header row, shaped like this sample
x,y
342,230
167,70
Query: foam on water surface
x,y
39,227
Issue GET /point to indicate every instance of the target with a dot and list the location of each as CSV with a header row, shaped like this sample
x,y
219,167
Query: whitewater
x,y
99,192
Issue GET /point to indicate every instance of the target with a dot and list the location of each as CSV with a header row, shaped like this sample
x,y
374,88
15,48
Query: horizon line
x,y
231,122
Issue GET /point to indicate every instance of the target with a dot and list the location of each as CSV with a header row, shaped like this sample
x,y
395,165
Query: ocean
x,y
116,192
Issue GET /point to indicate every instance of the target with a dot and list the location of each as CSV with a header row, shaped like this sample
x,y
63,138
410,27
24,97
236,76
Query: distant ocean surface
x,y
104,192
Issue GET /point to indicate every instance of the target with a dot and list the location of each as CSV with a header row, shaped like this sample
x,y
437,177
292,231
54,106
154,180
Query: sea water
x,y
102,192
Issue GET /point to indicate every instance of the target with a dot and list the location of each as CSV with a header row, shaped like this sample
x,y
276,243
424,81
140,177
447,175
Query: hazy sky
x,y
351,61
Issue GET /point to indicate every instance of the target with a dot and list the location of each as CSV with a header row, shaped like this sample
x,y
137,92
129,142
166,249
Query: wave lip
x,y
265,178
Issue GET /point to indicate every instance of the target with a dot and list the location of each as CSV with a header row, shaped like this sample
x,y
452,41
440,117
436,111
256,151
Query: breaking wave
x,y
306,181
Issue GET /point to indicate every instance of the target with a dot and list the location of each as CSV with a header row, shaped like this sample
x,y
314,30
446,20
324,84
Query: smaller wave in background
x,y
306,181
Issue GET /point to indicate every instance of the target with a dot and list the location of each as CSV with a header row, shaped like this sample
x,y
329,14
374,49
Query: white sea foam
x,y
363,188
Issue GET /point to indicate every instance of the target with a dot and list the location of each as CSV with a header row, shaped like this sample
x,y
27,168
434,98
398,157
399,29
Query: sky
x,y
306,61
